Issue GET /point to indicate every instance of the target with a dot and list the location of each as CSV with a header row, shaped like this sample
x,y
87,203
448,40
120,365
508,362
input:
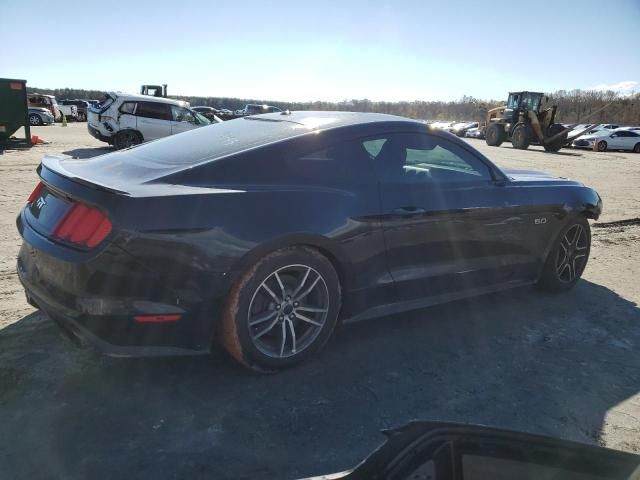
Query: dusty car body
x,y
166,248
124,120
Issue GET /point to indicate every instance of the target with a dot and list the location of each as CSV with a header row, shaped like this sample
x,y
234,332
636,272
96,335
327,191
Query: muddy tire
x,y
282,310
521,138
495,135
568,257
126,139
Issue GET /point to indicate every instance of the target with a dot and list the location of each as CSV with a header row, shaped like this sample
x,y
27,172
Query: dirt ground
x,y
560,365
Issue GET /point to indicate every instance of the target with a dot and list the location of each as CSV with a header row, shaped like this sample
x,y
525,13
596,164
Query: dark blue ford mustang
x,y
261,232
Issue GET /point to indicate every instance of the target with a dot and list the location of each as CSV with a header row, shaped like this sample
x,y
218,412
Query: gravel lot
x,y
561,365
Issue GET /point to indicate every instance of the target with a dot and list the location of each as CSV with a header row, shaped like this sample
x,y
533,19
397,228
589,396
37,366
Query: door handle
x,y
412,210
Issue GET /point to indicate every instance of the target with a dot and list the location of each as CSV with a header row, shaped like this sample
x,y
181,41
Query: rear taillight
x,y
36,192
83,225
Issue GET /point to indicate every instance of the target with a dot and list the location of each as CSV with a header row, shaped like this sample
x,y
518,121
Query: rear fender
x,y
326,246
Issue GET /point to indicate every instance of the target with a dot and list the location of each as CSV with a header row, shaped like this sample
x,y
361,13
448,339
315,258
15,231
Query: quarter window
x,y
128,107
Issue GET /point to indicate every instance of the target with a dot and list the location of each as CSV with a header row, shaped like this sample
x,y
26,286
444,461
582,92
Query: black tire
x,y
283,272
521,138
34,119
126,139
567,260
602,146
495,135
636,148
558,143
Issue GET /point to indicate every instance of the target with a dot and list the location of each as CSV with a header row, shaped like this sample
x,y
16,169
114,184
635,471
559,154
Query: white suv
x,y
124,120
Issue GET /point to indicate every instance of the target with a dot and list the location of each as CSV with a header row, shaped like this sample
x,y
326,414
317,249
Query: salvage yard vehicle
x,y
477,132
125,120
81,105
40,116
619,139
523,121
45,101
69,111
260,232
460,129
256,109
209,112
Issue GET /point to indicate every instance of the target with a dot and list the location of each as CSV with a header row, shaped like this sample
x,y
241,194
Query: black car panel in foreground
x,y
450,451
259,232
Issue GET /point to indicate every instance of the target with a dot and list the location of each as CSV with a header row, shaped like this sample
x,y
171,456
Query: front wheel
x,y
568,257
520,138
35,120
559,133
282,310
636,148
495,135
602,146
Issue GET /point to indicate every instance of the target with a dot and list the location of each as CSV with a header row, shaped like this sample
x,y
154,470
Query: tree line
x,y
575,106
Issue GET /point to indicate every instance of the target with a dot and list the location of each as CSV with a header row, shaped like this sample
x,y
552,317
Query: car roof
x,y
318,120
146,98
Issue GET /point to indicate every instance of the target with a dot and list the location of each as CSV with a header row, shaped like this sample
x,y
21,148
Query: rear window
x,y
216,141
171,154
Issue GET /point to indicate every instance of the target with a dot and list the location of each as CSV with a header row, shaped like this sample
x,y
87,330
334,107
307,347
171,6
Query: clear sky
x,y
326,50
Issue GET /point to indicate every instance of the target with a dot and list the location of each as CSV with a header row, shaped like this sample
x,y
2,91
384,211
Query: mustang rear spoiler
x,y
53,164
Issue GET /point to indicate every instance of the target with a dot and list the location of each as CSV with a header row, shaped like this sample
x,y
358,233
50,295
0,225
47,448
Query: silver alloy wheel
x,y
288,311
34,119
572,254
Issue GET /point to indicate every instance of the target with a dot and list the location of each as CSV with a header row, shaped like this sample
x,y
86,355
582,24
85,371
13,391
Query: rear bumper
x,y
115,335
95,298
94,132
82,336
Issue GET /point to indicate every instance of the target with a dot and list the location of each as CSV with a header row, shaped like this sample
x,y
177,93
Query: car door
x,y
153,120
633,139
182,120
449,224
622,140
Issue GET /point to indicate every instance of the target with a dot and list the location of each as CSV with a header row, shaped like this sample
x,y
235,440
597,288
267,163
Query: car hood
x,y
533,176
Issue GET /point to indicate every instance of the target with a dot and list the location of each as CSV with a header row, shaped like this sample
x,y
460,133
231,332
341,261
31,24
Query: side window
x,y
128,107
422,158
160,111
343,163
179,114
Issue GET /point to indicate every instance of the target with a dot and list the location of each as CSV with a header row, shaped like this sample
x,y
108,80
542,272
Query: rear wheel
x,y
495,135
126,139
568,257
636,149
556,144
520,138
282,310
602,146
34,119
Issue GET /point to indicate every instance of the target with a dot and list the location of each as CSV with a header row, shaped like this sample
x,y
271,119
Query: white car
x,y
619,139
124,120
